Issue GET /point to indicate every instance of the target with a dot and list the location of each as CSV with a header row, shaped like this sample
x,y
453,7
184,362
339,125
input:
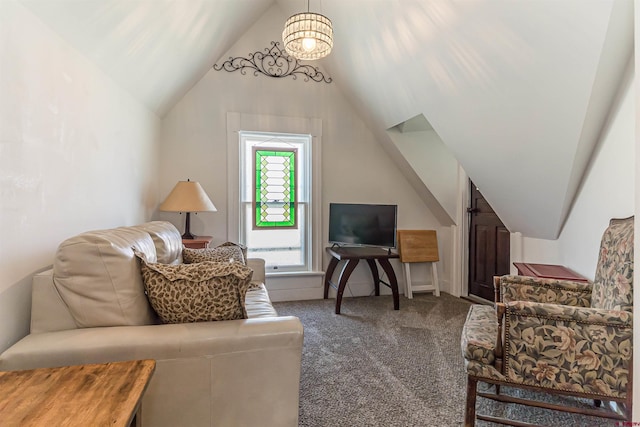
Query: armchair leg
x,y
470,412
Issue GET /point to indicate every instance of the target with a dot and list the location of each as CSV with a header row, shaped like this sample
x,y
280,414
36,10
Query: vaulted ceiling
x,y
517,90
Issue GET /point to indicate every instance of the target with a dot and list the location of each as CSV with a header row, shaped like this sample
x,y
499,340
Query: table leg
x,y
328,275
393,281
374,273
344,276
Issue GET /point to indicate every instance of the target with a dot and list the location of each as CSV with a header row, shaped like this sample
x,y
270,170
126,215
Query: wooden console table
x,y
353,257
76,396
548,271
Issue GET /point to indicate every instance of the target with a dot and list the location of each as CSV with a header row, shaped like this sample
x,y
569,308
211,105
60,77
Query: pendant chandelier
x,y
308,35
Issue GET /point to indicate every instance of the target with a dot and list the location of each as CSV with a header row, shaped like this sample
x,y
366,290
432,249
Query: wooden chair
x,y
418,246
558,336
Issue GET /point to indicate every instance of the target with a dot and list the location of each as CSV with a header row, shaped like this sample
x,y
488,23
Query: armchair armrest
x,y
555,313
561,347
525,288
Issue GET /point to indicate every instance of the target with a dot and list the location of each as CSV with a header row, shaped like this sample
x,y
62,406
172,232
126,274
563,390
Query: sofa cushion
x,y
218,254
199,292
258,303
166,239
258,267
98,277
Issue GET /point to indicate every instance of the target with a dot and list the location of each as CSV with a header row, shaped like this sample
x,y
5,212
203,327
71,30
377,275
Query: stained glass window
x,y
275,201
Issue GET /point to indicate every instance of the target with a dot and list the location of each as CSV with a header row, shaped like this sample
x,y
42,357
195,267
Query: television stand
x,y
353,255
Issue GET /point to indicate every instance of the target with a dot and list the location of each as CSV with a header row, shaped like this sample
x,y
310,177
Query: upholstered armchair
x,y
558,336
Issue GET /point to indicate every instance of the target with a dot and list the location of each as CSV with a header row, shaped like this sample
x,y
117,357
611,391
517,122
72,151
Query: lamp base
x,y
187,234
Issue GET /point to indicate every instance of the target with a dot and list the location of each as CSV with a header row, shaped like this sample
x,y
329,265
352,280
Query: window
x,y
275,187
275,199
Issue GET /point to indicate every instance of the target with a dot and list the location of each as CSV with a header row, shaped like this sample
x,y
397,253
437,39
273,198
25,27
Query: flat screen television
x,y
362,224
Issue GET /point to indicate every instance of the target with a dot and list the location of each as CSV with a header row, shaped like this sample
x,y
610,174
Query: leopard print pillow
x,y
217,254
202,292
243,248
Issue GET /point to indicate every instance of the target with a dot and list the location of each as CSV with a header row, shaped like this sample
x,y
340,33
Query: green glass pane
x,y
274,197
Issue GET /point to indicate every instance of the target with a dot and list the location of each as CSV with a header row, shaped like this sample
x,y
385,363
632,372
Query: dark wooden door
x,y
488,246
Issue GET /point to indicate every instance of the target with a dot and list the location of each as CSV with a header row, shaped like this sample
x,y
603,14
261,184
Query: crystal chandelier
x,y
308,35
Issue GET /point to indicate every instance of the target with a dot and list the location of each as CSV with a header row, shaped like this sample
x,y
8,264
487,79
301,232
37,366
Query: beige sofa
x,y
91,308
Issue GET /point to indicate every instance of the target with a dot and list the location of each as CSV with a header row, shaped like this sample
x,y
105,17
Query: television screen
x,y
362,224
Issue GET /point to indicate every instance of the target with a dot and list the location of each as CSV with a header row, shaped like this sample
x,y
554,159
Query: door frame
x,y
460,239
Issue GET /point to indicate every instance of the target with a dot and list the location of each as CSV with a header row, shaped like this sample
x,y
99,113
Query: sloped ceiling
x,y
155,49
517,90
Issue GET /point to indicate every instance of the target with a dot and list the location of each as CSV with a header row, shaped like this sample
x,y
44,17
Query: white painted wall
x,y
528,249
354,167
76,153
608,191
434,163
609,188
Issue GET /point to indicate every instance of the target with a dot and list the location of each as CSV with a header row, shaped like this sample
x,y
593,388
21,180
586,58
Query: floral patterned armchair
x,y
558,336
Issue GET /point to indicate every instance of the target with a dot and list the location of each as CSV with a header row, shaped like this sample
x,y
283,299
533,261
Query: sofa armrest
x,y
257,265
234,372
159,342
525,288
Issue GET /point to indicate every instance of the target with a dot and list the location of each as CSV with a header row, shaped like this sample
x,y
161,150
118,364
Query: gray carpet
x,y
374,366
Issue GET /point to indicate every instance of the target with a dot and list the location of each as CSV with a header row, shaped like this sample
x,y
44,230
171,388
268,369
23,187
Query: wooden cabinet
x,y
199,242
548,271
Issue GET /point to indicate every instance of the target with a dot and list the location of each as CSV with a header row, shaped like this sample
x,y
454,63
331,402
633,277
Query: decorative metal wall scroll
x,y
273,62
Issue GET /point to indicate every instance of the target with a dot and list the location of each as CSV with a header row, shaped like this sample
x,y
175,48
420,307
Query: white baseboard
x,y
306,290
295,294
353,289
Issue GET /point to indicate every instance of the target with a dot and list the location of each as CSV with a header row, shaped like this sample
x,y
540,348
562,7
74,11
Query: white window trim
x,y
304,169
237,122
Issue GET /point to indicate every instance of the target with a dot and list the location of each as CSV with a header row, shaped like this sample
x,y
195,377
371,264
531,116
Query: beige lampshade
x,y
187,196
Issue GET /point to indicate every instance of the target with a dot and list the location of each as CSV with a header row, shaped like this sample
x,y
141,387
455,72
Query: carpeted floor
x,y
374,366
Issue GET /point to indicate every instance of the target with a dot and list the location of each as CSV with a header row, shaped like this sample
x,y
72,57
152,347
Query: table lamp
x,y
187,196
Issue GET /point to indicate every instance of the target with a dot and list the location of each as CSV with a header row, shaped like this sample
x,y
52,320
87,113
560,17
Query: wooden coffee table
x,y
83,395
